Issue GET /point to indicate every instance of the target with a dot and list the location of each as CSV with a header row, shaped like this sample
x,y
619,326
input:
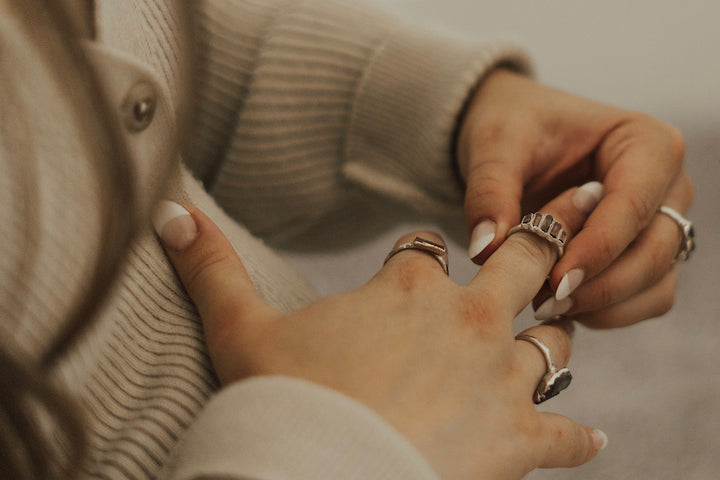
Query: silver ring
x,y
544,226
438,251
554,381
687,244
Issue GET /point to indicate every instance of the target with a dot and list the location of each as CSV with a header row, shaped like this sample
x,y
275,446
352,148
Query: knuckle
x,y
603,295
480,310
654,272
201,270
658,258
687,184
675,141
604,247
668,135
411,273
484,184
488,134
408,276
642,207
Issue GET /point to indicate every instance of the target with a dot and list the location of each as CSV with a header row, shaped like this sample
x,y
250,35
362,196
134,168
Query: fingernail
x,y
588,196
600,440
552,308
174,225
570,281
482,235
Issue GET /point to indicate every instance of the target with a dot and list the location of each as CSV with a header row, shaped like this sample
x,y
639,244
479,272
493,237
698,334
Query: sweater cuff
x,y
284,428
407,109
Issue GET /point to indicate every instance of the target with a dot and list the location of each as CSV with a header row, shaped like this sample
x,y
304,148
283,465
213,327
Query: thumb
x,y
215,278
569,444
492,200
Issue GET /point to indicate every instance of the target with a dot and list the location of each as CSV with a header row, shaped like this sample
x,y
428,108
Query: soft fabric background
x,y
655,387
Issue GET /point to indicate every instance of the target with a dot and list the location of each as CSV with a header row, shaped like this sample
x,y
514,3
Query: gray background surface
x,y
654,387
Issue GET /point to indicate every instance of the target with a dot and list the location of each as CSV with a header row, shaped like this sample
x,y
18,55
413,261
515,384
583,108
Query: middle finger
x,y
521,264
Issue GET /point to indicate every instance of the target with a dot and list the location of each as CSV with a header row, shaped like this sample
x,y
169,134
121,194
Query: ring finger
x,y
642,265
653,302
556,336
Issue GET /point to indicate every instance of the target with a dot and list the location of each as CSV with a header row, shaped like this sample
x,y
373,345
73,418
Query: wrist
x,y
465,126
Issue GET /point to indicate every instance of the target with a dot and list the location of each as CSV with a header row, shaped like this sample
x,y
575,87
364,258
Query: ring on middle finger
x,y
544,226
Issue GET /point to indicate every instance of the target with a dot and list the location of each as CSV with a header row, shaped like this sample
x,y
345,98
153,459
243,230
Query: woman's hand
x,y
437,360
522,143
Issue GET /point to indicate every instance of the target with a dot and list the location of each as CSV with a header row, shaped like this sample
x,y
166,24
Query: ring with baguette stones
x,y
544,226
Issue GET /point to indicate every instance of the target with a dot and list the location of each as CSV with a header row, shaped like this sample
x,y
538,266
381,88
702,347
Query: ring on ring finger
x,y
687,243
555,380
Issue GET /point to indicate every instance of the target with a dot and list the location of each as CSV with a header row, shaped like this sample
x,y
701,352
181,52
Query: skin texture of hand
x,y
521,143
437,360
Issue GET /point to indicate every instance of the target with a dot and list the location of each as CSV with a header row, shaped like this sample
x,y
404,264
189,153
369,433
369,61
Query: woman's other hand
x,y
521,143
437,360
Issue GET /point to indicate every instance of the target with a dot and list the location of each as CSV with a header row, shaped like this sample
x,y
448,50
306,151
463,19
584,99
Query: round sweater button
x,y
138,108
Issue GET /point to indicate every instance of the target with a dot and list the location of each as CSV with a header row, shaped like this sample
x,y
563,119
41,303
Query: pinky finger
x,y
652,302
569,444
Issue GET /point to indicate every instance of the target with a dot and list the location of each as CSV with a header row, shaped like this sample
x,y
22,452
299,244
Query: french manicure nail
x,y
482,236
174,225
599,438
588,196
570,281
552,308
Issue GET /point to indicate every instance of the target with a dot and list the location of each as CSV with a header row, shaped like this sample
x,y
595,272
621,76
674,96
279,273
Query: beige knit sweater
x,y
306,108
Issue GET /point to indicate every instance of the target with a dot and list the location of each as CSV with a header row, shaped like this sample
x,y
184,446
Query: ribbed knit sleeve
x,y
273,428
307,105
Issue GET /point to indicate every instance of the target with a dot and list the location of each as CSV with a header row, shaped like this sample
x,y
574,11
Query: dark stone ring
x,y
555,380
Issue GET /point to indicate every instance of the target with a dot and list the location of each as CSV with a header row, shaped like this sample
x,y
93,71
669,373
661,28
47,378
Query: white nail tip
x,y
164,212
570,281
552,308
482,236
588,196
600,439
544,311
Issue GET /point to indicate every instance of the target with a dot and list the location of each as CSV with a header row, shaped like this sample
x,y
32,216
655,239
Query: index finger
x,y
521,264
210,270
637,163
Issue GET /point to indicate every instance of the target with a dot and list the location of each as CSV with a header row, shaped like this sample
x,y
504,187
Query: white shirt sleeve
x,y
283,428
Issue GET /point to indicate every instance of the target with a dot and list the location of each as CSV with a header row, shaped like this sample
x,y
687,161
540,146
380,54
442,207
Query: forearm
x,y
318,102
278,427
